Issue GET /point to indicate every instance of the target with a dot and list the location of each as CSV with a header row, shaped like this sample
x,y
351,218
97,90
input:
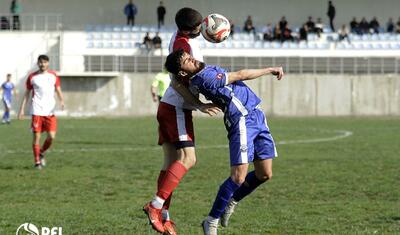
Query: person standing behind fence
x,y
160,84
15,10
130,11
331,14
160,14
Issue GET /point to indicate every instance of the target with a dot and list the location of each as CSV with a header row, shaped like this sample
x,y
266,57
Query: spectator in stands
x,y
374,25
287,34
4,23
319,27
147,42
303,33
310,25
355,26
160,14
344,33
157,41
248,25
390,25
277,32
283,23
398,26
267,32
331,14
364,26
15,10
130,11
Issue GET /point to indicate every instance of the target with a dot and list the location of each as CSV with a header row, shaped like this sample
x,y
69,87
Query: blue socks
x,y
249,185
6,116
225,193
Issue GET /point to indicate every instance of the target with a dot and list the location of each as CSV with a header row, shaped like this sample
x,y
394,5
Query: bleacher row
x,y
125,37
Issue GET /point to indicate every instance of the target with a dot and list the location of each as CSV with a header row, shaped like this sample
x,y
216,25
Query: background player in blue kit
x,y
249,136
8,89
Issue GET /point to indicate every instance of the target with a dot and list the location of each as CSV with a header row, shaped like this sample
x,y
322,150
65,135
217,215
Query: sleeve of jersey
x,y
182,44
28,83
57,81
214,79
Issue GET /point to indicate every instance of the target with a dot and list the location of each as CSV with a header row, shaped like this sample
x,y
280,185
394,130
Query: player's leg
x,y
265,151
175,127
241,150
50,126
36,126
225,193
6,115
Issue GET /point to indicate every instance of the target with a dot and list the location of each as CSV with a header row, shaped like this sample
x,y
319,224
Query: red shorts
x,y
44,123
175,126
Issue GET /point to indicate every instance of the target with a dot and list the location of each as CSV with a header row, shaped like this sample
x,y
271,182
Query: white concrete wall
x,y
77,13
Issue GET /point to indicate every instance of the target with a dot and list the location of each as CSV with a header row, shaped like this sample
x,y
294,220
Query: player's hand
x,y
210,109
278,72
62,106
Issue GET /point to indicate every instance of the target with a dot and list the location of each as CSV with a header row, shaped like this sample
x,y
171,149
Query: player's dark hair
x,y
173,61
43,57
187,19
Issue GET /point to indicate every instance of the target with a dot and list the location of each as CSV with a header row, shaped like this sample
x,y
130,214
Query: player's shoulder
x,y
52,72
33,74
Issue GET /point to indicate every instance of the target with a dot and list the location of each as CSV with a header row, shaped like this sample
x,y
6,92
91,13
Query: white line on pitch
x,y
340,135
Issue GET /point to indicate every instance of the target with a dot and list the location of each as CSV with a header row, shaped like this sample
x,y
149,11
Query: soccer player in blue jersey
x,y
8,89
249,136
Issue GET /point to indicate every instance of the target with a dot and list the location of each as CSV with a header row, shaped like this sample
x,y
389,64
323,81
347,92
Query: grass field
x,y
101,171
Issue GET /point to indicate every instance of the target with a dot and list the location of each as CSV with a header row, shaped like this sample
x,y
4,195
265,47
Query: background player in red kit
x,y
176,134
43,84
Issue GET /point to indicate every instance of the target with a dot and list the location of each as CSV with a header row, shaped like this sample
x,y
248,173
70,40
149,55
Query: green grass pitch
x,y
101,171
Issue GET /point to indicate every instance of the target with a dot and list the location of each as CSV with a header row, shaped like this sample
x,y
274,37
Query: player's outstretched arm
x,y
21,111
249,74
60,97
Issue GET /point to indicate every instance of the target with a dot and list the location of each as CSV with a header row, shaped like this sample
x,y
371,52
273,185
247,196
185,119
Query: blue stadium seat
x,y
118,45
90,45
128,45
99,45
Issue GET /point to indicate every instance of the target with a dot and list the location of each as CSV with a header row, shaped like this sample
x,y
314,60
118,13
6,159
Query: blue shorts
x,y
250,139
7,103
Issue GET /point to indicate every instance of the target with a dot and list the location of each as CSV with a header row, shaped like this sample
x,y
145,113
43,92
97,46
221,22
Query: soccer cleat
x,y
169,227
154,216
42,159
38,166
230,208
210,228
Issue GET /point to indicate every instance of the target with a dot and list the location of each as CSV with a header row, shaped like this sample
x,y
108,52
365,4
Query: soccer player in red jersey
x,y
174,115
43,84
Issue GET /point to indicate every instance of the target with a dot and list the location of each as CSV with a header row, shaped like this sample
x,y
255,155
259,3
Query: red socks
x,y
172,177
36,152
46,145
159,181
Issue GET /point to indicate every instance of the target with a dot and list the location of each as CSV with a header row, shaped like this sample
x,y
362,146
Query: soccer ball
x,y
215,28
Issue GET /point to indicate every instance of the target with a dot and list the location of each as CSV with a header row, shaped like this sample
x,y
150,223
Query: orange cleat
x,y
154,216
169,227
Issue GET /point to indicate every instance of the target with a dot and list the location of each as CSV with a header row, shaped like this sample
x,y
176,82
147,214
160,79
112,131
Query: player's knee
x,y
238,179
188,161
265,176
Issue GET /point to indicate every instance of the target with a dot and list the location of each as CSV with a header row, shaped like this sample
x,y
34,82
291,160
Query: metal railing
x,y
30,22
313,65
